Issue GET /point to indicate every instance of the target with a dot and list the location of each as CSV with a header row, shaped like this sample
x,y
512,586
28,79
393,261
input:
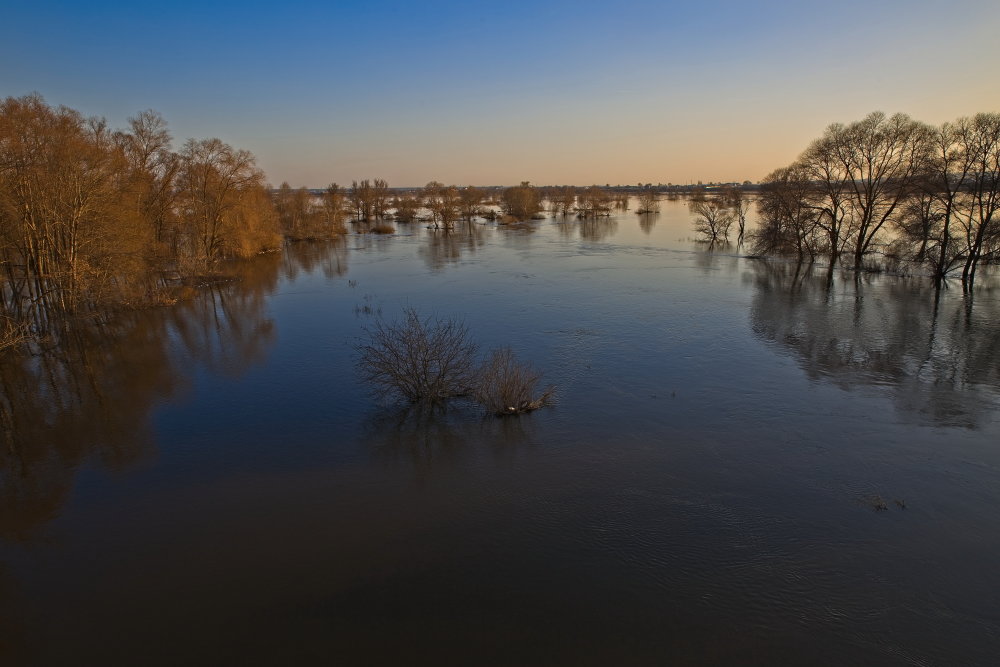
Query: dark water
x,y
216,487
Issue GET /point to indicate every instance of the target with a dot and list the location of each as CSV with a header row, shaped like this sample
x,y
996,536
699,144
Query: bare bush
x,y
505,386
421,360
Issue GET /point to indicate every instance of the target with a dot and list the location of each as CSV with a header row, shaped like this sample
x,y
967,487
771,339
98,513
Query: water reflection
x,y
596,230
447,246
647,221
328,256
937,355
90,398
425,437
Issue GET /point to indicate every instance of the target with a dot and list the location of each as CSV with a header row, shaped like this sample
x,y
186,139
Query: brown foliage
x,y
92,219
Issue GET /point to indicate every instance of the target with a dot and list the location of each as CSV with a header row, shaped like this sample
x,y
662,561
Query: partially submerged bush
x,y
505,386
420,360
428,361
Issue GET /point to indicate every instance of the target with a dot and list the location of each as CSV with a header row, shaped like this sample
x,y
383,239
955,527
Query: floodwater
x,y
211,484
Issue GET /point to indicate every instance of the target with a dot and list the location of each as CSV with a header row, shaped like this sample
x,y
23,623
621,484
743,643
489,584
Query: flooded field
x,y
748,462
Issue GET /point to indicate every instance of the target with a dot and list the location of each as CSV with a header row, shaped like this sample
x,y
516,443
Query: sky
x,y
495,93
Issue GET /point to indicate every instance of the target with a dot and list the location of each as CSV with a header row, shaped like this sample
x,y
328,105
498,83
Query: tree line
x,y
93,218
890,186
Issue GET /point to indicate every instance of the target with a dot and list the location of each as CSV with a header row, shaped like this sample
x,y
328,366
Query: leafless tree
x,y
713,220
422,360
648,200
593,202
789,222
739,205
980,221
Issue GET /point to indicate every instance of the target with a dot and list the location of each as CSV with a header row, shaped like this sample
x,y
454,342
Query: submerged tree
x,y
421,360
713,220
64,223
648,200
471,202
428,361
789,221
444,203
980,221
593,202
224,208
739,204
521,202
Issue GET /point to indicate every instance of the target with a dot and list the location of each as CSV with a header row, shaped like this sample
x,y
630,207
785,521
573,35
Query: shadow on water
x,y
937,355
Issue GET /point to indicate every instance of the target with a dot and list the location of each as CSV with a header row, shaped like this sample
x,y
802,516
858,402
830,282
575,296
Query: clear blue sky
x,y
552,92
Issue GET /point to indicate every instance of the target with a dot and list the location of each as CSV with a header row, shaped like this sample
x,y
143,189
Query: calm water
x,y
216,487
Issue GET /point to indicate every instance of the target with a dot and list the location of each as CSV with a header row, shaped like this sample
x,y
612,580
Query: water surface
x,y
217,487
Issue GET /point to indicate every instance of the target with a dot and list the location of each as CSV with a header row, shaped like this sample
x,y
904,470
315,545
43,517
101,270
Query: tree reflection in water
x,y
447,246
328,256
88,398
647,221
937,355
429,436
598,229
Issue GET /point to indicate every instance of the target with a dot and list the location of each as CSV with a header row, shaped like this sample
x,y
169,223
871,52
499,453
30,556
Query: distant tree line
x,y
893,186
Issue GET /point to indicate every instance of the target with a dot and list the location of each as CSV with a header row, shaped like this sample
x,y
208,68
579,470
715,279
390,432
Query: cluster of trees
x,y
91,218
443,205
304,216
893,185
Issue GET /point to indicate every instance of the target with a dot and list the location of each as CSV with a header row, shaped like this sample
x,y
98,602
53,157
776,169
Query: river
x,y
748,462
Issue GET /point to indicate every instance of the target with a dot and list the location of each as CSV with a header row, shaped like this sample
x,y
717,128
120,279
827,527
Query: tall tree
x,y
220,200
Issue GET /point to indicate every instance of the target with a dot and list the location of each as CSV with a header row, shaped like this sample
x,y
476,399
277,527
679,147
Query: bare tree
x,y
880,158
739,205
648,200
593,202
421,360
713,220
980,220
789,220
